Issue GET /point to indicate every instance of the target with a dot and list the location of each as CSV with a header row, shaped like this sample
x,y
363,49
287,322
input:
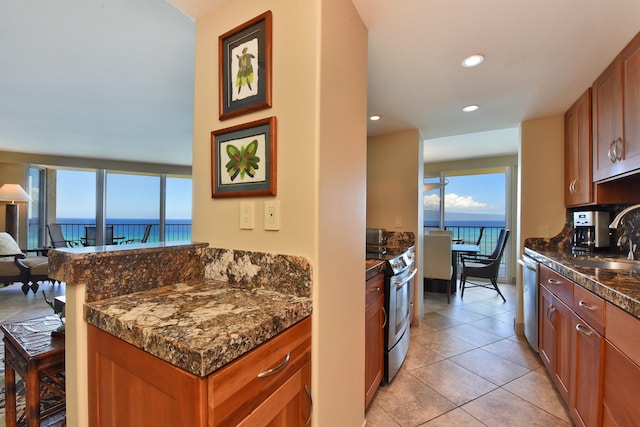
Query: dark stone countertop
x,y
373,267
619,287
198,326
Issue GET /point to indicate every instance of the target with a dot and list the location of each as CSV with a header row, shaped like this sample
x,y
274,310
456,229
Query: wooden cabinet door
x,y
555,345
131,388
631,96
546,329
607,121
586,380
578,152
374,337
620,390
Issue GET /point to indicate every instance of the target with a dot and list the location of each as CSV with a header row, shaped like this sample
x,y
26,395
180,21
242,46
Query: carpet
x,y
48,400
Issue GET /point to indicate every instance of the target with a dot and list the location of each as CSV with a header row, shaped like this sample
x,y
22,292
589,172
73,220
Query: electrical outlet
x,y
246,215
398,221
272,215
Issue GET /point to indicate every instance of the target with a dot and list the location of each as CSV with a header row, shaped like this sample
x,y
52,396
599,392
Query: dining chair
x,y
437,259
484,267
57,237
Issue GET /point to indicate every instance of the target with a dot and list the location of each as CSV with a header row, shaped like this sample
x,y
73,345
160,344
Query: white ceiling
x,y
114,79
101,79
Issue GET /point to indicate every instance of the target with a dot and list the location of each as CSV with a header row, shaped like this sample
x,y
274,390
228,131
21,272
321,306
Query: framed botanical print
x,y
243,160
244,61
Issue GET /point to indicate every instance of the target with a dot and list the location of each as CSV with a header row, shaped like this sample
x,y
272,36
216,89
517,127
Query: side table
x,y
33,353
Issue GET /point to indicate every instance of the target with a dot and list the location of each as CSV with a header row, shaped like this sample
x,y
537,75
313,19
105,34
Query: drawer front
x,y
558,285
589,307
375,288
240,387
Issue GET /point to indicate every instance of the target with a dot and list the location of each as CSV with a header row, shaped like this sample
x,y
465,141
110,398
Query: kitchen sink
x,y
632,266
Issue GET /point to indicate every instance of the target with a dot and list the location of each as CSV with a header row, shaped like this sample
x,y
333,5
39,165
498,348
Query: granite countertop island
x,y
619,287
199,326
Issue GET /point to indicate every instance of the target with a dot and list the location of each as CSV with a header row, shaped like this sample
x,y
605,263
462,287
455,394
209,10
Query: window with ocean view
x,y
471,202
134,207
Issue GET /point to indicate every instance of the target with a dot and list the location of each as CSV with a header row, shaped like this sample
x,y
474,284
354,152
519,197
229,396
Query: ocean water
x,y
129,228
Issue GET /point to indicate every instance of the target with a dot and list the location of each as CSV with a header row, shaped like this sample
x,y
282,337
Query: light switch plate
x,y
272,215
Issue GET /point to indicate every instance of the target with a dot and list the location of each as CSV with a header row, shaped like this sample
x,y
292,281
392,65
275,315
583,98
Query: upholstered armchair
x,y
16,267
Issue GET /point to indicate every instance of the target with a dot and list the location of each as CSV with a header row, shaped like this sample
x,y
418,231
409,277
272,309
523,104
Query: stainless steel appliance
x,y
400,275
530,299
376,243
590,231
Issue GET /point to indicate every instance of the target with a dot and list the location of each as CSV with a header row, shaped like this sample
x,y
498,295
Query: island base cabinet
x,y
131,388
268,386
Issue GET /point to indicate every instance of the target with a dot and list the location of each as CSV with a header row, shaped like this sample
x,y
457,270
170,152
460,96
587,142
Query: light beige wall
x,y
541,192
393,180
394,190
320,104
541,178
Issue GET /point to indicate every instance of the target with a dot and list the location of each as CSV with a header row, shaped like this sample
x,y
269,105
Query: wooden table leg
x,y
32,397
9,394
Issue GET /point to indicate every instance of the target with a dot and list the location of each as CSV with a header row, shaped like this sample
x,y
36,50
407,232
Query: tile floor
x,y
466,367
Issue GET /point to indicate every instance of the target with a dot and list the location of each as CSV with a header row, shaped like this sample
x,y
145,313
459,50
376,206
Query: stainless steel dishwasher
x,y
530,299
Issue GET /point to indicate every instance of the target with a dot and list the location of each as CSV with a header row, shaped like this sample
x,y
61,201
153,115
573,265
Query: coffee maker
x,y
591,231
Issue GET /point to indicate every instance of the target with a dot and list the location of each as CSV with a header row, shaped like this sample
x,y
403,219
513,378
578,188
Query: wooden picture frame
x,y
244,160
244,67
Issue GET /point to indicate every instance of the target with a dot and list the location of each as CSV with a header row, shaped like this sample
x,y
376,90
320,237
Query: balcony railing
x,y
126,233
470,234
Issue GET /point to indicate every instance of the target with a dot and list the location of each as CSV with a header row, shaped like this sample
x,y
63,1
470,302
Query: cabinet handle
x,y
550,310
611,153
377,289
583,330
554,282
616,152
385,317
308,420
585,306
277,368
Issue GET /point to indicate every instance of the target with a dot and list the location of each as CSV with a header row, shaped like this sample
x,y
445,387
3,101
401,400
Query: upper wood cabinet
x,y
616,116
578,152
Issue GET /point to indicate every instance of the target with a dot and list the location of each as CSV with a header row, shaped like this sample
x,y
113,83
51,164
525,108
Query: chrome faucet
x,y
616,221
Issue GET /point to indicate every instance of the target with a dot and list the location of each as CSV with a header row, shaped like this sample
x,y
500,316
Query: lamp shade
x,y
13,193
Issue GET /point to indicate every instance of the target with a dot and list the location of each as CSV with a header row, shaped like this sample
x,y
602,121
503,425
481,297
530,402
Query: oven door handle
x,y
400,284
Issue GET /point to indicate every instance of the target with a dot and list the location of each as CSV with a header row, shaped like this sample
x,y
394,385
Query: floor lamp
x,y
13,193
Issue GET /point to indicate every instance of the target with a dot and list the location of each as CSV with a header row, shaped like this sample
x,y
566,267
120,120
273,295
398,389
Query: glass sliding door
x,y
178,209
75,202
133,203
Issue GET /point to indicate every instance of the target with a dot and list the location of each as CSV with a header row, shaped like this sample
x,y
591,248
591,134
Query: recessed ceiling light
x,y
469,108
374,118
472,61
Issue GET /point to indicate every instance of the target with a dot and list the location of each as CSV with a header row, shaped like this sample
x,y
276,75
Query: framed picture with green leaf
x,y
244,67
243,160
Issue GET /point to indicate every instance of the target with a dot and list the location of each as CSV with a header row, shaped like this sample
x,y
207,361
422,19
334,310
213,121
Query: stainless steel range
x,y
399,282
